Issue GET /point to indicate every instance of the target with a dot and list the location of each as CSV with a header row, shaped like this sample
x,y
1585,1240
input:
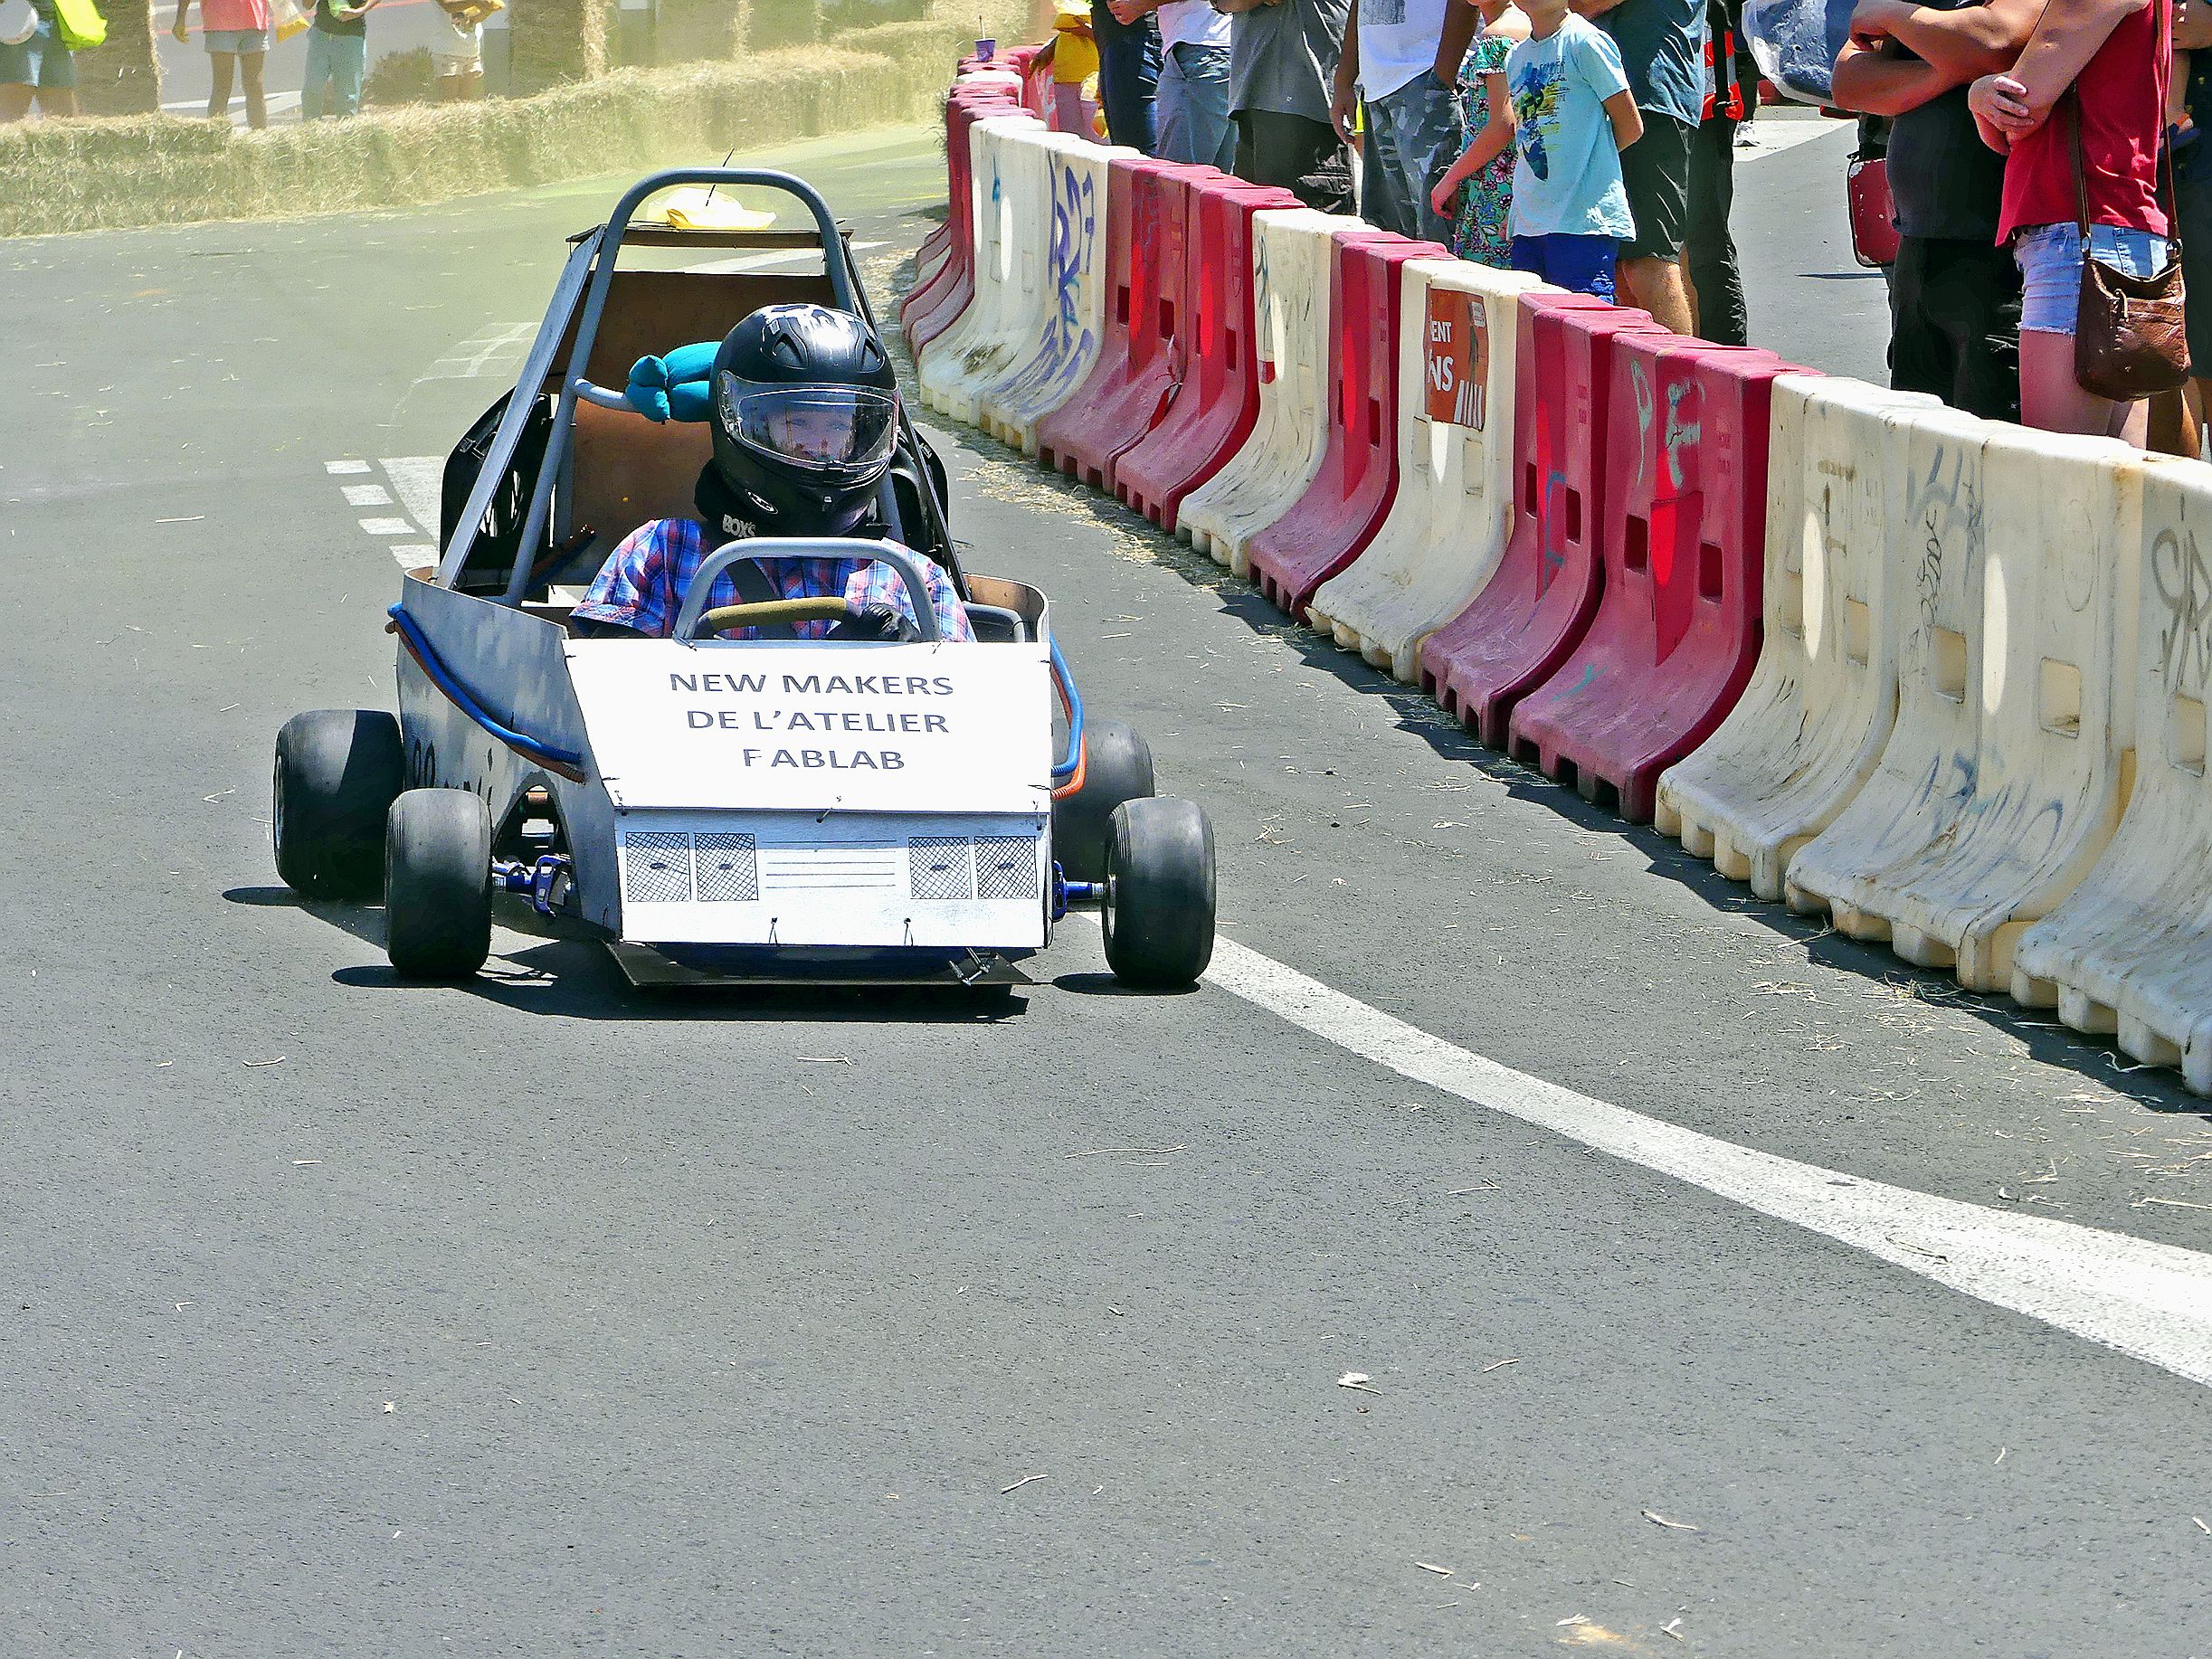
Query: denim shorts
x,y
240,42
2050,261
40,61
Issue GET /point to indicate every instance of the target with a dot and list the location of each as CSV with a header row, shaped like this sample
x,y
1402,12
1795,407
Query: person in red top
x,y
236,34
2115,57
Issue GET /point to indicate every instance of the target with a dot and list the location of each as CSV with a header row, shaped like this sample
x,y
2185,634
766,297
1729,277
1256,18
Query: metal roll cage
x,y
587,279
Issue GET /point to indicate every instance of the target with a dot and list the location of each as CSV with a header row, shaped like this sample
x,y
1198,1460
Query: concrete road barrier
x,y
1447,526
2129,953
975,354
2010,737
1292,254
1071,322
1811,727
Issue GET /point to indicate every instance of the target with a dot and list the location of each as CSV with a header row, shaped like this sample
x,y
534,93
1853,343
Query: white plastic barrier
x,y
1449,524
2130,950
2009,740
1008,258
937,247
1293,255
1811,723
1070,321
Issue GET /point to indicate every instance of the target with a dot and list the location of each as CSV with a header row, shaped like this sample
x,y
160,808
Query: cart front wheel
x,y
437,884
1160,892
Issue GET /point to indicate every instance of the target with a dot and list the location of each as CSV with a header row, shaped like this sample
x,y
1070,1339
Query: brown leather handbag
x,y
2128,339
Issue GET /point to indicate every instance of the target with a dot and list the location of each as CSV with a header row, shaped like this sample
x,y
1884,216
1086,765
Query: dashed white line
x,y
390,526
367,495
2149,1300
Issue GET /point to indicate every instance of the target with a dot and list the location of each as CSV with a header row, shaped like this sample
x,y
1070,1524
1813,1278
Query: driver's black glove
x,y
878,622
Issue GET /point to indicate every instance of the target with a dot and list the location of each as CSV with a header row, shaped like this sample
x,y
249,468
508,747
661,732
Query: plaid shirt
x,y
643,584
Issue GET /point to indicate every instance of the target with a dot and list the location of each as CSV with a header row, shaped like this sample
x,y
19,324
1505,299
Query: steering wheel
x,y
771,613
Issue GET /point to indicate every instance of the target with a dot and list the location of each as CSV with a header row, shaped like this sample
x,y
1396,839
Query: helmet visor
x,y
827,429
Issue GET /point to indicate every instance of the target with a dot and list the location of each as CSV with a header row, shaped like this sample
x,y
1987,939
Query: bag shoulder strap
x,y
753,588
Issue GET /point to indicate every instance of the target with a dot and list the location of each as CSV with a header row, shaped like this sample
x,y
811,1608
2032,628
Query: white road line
x,y
339,467
2151,1301
367,495
389,527
414,555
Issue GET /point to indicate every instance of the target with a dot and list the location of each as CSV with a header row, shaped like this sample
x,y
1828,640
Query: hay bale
x,y
160,169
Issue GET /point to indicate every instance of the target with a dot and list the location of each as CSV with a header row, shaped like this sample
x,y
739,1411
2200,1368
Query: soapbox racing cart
x,y
761,809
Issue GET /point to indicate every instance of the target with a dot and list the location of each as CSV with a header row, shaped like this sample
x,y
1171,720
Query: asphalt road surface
x,y
1722,1286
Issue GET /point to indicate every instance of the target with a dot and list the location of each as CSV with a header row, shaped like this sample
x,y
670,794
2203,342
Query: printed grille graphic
x,y
724,865
940,866
657,866
1005,867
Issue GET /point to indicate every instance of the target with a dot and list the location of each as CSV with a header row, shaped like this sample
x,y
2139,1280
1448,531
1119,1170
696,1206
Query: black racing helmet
x,y
805,423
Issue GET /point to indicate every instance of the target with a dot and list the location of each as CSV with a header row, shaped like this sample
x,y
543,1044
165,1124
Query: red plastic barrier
x,y
1213,410
1141,354
939,304
1522,626
1677,631
1331,523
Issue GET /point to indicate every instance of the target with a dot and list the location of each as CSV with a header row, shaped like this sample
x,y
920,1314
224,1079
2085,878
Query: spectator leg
x,y
1386,197
1657,286
1128,76
2053,399
1955,325
1413,135
221,66
1172,124
1067,111
1435,134
311,90
1715,279
1205,79
348,70
257,99
1655,169
2173,425
1296,153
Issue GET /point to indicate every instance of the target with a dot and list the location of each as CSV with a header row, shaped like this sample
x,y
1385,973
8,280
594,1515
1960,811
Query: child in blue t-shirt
x,y
1573,115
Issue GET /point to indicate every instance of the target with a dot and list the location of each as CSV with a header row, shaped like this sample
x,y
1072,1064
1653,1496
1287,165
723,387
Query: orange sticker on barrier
x,y
1458,354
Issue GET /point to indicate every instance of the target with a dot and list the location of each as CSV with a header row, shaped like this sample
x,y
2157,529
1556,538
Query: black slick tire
x,y
337,771
1117,767
1159,893
437,892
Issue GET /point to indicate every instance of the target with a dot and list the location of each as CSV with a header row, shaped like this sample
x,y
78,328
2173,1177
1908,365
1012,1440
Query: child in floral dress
x,y
1482,179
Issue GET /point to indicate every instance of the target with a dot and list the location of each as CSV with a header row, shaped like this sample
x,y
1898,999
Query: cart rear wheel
x,y
437,884
337,771
1117,767
1158,902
